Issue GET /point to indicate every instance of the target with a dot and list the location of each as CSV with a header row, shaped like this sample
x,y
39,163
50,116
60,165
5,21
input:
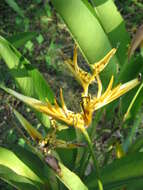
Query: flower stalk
x,y
95,162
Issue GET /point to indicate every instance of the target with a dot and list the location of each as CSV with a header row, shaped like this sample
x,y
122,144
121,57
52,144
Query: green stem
x,y
91,132
85,133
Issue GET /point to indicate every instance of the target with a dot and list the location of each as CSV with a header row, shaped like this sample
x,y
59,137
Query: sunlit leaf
x,y
28,78
27,164
113,25
12,161
70,179
86,31
17,181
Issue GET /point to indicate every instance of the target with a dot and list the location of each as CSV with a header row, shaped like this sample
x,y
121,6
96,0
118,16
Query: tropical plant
x,y
62,153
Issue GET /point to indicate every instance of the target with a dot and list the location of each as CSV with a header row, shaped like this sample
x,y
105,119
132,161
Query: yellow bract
x,y
89,103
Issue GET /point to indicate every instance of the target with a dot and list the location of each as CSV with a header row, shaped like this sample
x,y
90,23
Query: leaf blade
x,y
11,161
119,173
20,39
28,79
114,26
17,181
86,36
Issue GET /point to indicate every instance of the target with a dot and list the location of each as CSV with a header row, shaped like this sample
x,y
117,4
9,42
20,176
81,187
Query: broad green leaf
x,y
120,173
86,31
113,25
136,186
29,79
15,7
67,177
31,167
35,161
70,179
17,181
28,127
20,39
12,161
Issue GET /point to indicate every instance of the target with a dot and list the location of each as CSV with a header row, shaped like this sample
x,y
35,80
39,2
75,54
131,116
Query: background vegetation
x,y
47,35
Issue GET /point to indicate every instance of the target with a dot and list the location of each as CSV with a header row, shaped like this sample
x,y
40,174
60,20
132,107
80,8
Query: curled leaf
x,y
28,127
136,41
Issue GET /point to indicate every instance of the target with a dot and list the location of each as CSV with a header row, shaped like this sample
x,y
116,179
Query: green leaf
x,y
70,179
67,155
128,72
29,45
16,166
40,39
65,174
30,161
136,186
28,78
120,173
35,161
87,32
31,167
17,181
15,7
20,39
113,25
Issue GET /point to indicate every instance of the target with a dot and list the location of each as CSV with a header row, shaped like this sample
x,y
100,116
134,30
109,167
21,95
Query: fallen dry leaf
x,y
136,41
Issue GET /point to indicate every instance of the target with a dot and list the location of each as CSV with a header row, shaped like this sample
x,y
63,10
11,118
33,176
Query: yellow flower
x,y
83,77
89,103
108,96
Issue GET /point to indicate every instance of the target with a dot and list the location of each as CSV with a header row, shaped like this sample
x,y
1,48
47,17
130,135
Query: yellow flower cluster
x,y
89,103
